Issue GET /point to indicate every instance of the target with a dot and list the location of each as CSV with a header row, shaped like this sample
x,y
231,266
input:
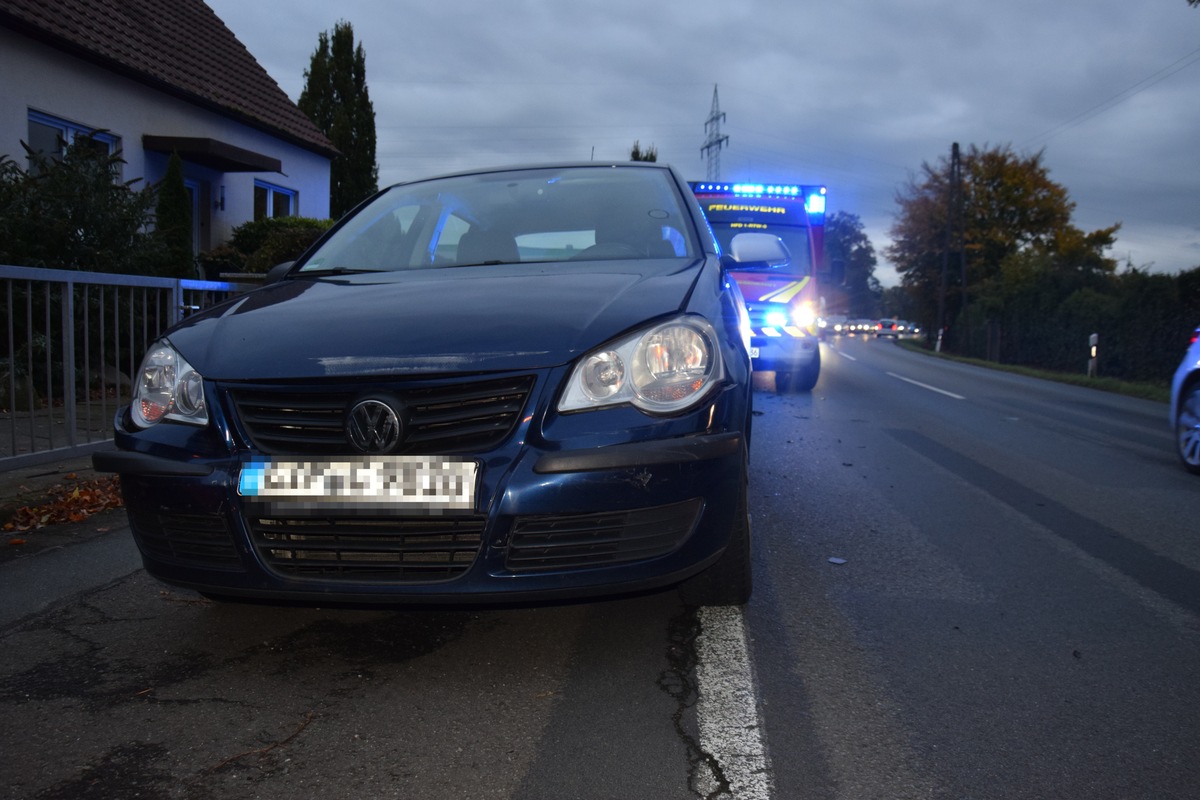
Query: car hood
x,y
466,319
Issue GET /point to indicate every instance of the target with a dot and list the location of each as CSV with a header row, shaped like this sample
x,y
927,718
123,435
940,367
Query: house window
x,y
273,201
50,135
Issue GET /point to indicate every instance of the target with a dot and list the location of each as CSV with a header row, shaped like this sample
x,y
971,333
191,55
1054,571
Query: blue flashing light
x,y
814,196
761,190
777,317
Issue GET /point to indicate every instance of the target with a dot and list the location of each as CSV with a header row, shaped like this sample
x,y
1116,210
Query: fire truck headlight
x,y
663,370
804,315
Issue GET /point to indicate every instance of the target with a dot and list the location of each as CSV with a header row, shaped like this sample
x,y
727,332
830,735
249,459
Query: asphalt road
x,y
968,585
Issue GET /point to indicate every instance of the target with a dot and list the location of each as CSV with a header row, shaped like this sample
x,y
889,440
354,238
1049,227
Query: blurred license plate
x,y
414,482
754,352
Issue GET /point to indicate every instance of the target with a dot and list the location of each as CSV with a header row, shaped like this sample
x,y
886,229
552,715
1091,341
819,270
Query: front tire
x,y
729,581
1187,428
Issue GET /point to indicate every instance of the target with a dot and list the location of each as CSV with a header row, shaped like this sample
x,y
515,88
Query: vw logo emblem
x,y
373,426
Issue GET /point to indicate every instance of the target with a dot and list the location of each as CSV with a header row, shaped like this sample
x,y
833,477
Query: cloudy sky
x,y
854,94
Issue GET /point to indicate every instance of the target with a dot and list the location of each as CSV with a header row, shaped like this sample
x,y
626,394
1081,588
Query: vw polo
x,y
515,384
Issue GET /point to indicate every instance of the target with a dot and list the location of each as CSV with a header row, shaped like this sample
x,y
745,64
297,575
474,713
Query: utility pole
x,y
713,140
956,195
941,318
954,241
948,244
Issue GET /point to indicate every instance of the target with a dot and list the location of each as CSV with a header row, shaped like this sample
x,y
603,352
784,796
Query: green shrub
x,y
72,211
224,258
266,242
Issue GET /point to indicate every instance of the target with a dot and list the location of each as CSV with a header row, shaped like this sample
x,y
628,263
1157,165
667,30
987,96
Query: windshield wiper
x,y
322,273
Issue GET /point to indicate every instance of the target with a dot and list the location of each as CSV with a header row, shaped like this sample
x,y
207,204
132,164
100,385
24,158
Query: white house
x,y
160,76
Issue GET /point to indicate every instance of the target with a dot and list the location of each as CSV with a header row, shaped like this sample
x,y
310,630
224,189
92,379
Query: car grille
x,y
199,540
416,550
457,418
599,540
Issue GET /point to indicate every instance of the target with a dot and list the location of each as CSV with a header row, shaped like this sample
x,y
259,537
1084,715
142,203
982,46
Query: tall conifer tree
x,y
336,99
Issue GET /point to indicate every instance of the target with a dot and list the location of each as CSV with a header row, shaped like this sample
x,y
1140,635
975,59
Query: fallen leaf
x,y
69,504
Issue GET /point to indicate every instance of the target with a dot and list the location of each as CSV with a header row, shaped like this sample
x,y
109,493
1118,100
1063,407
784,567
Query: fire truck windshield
x,y
789,212
794,239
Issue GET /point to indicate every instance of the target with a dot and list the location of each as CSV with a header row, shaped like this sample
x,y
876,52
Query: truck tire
x,y
806,377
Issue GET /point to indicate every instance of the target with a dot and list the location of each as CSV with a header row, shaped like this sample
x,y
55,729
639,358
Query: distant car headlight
x,y
661,370
168,388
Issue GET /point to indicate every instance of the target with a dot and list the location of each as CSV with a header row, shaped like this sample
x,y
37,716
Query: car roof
x,y
546,165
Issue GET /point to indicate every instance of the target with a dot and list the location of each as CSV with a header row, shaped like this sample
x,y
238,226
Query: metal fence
x,y
72,343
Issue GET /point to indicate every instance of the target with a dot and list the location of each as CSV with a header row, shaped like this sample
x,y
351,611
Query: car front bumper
x,y
548,522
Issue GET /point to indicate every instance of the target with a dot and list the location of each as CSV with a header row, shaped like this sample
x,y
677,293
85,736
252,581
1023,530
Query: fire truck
x,y
782,298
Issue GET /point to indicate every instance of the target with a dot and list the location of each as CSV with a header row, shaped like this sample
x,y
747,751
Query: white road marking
x,y
727,709
927,386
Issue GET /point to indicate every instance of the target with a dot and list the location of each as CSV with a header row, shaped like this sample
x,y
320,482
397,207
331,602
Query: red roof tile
x,y
177,46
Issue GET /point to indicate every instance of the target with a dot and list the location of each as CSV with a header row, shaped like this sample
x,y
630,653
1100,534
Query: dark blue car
x,y
516,384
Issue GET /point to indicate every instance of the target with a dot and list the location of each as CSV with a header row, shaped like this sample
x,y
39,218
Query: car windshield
x,y
530,215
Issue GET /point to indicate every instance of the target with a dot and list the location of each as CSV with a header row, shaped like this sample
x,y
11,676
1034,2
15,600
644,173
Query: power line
x,y
1137,88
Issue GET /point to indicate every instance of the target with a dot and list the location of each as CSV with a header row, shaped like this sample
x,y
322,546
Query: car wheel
x,y
1187,428
729,581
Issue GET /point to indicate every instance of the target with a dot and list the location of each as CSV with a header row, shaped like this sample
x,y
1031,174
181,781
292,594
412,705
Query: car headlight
x,y
661,370
168,388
